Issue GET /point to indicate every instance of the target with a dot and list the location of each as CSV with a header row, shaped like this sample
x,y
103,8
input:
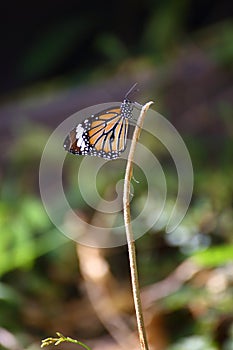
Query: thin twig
x,y
62,339
129,232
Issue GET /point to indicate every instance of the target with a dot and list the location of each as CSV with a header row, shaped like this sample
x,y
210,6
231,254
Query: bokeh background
x,y
58,57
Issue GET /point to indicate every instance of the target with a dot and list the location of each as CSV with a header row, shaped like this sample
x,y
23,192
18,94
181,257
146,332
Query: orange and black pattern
x,y
103,134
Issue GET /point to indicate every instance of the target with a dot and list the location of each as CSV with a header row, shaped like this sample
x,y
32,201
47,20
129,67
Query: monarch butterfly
x,y
103,134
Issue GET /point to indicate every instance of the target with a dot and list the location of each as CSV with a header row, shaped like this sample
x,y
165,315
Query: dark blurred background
x,y
58,57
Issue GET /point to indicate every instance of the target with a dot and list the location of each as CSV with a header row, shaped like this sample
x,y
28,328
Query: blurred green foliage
x,y
165,27
23,238
37,262
215,256
23,220
194,343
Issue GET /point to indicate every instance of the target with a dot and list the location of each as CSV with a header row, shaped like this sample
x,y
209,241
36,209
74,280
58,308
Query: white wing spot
x,y
79,131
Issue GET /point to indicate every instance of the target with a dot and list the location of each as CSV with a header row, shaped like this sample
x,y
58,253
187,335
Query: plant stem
x,y
129,232
62,339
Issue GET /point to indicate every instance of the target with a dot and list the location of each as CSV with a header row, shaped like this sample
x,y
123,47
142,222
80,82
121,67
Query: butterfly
x,y
103,134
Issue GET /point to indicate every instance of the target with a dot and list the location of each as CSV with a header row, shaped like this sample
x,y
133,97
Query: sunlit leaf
x,y
214,256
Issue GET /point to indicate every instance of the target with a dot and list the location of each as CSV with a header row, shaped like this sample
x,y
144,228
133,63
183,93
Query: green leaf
x,y
214,256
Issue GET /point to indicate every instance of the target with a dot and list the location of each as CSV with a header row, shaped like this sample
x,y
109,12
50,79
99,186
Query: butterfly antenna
x,y
131,89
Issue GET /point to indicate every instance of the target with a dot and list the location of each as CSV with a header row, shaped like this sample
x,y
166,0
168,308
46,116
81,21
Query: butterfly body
x,y
103,134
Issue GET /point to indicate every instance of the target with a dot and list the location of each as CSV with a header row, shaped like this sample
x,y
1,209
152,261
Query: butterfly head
x,y
127,108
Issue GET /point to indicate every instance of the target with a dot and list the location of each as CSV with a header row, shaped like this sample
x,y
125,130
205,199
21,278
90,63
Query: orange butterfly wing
x,y
103,135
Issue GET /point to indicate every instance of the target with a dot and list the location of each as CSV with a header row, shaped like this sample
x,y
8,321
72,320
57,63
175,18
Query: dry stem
x,y
129,232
